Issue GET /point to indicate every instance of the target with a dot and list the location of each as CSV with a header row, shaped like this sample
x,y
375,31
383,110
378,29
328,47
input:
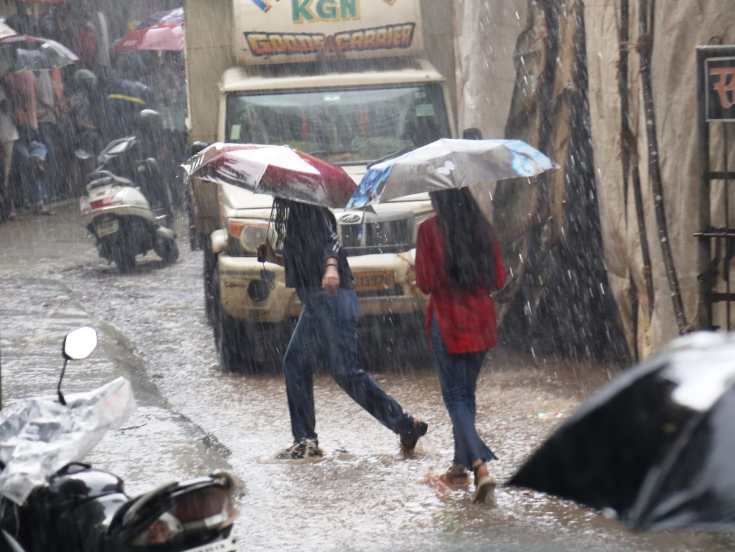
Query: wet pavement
x,y
193,418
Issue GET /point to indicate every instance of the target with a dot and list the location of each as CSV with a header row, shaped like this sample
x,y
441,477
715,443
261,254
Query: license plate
x,y
106,227
371,281
228,545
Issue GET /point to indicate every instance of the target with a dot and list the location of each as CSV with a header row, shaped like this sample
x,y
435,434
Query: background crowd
x,y
49,116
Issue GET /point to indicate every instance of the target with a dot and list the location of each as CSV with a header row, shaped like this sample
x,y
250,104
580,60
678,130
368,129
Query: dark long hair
x,y
279,220
469,240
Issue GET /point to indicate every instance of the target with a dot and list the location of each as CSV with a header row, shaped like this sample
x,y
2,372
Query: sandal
x,y
484,482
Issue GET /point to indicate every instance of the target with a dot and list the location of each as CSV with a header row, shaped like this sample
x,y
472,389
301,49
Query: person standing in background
x,y
459,264
30,153
8,137
49,98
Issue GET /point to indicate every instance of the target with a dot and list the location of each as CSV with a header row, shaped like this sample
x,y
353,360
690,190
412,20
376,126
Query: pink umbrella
x,y
275,170
162,31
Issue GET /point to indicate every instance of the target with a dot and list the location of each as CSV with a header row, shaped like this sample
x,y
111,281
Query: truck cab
x,y
348,110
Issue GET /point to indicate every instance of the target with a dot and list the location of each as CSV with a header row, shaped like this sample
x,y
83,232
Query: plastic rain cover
x,y
39,436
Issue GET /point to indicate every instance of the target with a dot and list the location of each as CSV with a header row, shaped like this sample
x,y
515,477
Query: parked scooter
x,y
51,501
117,206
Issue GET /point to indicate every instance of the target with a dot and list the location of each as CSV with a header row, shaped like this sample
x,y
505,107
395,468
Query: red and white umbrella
x,y
162,31
275,170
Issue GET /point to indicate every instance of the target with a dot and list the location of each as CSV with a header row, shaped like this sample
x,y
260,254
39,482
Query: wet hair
x,y
469,240
279,220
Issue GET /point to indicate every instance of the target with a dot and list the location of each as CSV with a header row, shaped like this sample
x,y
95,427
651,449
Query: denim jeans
x,y
34,182
327,332
458,378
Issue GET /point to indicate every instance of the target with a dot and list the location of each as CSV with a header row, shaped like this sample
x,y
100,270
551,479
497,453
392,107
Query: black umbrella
x,y
657,445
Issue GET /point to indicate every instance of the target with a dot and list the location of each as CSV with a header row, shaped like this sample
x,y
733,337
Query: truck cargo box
x,y
268,31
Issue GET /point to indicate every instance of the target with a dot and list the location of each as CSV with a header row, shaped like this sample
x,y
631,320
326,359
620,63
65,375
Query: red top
x,y
466,317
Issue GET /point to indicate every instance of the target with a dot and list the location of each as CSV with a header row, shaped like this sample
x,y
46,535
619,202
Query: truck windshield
x,y
343,126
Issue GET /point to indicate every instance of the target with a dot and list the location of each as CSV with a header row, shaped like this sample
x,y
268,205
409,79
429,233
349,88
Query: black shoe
x,y
409,438
307,448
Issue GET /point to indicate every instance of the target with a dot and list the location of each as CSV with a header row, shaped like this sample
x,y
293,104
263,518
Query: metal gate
x,y
716,98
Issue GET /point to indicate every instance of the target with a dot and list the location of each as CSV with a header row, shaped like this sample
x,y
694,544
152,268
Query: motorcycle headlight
x,y
251,233
192,514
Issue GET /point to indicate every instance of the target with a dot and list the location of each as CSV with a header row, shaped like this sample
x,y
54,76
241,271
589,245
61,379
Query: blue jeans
x,y
33,181
458,378
327,332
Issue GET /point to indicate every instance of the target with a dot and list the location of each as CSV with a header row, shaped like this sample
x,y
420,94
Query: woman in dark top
x,y
316,266
459,263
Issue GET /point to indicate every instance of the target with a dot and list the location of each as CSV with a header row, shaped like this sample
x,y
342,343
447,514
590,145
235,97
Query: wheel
x,y
210,263
231,344
123,257
234,347
168,250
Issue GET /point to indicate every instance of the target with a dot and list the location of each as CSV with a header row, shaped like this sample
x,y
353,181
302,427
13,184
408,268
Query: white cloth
x,y
8,130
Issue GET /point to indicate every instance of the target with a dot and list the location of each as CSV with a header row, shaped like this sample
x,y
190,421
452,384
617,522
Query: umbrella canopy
x,y
34,53
656,445
447,164
276,170
163,31
6,30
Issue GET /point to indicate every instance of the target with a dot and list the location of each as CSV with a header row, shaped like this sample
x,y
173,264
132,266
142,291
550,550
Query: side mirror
x,y
78,345
196,147
472,134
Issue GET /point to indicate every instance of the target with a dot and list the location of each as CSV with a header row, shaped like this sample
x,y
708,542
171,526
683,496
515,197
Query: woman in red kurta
x,y
459,264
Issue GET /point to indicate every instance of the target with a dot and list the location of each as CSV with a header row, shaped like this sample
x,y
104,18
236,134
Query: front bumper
x,y
257,292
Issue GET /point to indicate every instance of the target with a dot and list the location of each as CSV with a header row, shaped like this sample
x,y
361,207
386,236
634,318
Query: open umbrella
x,y
447,164
6,30
276,170
35,53
161,31
657,445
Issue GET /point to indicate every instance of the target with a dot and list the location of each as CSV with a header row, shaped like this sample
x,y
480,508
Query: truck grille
x,y
376,237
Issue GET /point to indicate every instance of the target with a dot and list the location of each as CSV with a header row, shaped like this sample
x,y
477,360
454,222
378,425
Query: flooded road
x,y
193,418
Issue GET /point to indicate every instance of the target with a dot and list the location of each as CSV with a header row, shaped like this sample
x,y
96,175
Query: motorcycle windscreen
x,y
39,436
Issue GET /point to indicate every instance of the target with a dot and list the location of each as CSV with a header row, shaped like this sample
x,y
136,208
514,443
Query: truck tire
x,y
210,293
234,348
230,343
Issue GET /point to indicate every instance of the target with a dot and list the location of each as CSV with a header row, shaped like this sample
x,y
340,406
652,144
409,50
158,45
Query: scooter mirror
x,y
80,343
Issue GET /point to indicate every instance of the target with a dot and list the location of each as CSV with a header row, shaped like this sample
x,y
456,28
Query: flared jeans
x,y
458,378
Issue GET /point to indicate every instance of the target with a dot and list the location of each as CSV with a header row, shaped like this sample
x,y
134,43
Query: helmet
x,y
150,119
84,78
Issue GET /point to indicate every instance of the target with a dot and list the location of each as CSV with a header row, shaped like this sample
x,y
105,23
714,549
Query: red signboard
x,y
720,87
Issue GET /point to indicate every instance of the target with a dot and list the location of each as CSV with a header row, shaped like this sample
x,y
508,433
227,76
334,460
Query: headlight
x,y
191,513
251,233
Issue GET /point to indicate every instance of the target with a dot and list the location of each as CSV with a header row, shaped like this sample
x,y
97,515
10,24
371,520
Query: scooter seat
x,y
106,178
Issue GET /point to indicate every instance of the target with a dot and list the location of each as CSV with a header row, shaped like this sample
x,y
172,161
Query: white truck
x,y
345,80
